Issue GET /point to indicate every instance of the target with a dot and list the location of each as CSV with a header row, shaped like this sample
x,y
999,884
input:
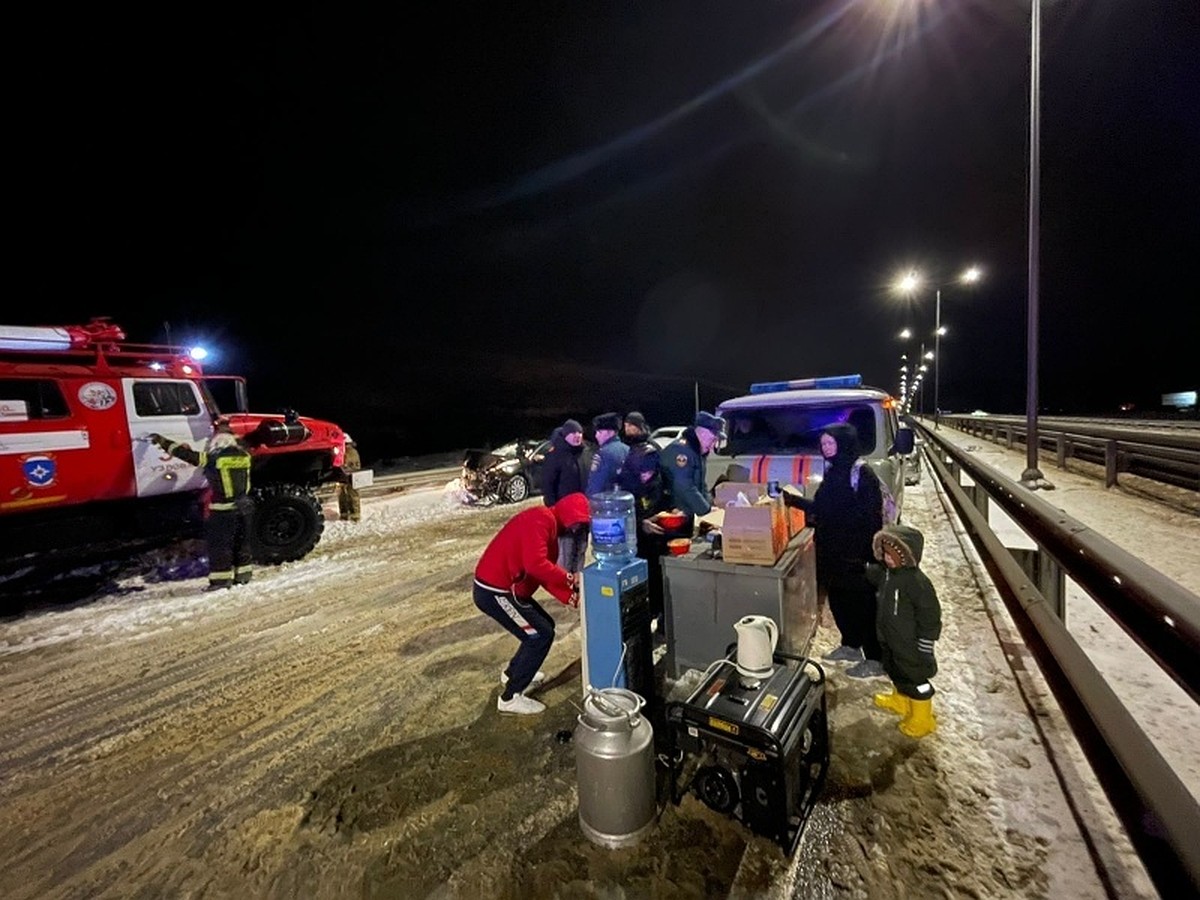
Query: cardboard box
x,y
755,534
727,491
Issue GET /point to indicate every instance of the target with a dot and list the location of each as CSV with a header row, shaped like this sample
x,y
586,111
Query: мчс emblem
x,y
39,470
97,395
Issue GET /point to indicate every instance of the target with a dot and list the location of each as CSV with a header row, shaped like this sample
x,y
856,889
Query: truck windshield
x,y
793,430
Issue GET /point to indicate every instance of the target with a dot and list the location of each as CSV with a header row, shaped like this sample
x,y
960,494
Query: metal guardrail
x,y
1171,456
1158,811
399,482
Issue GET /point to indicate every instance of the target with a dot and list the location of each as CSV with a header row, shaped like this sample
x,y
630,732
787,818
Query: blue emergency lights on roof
x,y
797,384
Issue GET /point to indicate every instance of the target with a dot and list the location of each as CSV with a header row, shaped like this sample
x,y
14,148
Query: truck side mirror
x,y
904,443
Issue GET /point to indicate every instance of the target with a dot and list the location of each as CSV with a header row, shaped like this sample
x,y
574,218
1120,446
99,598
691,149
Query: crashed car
x,y
509,474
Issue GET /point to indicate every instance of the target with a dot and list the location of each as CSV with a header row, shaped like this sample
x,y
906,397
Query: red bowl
x,y
679,546
671,521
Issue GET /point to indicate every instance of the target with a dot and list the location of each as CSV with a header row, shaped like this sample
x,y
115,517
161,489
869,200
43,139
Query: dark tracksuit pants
x,y
525,620
852,602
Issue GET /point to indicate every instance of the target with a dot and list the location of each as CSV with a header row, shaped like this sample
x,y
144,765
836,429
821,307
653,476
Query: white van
x,y
773,433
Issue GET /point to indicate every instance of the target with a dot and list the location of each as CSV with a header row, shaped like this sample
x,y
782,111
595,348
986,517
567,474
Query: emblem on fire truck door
x,y
681,460
39,470
97,395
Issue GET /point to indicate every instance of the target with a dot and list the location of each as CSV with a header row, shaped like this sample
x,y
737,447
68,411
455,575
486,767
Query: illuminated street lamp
x,y
909,284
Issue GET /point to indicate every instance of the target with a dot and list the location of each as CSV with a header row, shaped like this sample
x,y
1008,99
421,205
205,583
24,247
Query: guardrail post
x,y
1052,583
1047,576
1110,463
1065,448
1008,437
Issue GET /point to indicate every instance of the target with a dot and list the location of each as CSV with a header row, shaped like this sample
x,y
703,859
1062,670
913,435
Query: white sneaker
x,y
519,705
538,678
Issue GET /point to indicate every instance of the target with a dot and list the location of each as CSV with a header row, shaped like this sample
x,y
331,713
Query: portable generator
x,y
754,749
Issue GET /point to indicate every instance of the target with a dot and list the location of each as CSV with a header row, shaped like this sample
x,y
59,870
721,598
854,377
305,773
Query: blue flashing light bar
x,y
796,384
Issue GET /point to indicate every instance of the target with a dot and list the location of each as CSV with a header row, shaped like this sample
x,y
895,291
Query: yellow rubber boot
x,y
894,702
920,721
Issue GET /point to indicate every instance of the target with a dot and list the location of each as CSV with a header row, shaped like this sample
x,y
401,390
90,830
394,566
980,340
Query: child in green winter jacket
x,y
908,619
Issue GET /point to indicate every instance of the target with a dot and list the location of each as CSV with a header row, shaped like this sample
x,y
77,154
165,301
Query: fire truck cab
x,y
77,404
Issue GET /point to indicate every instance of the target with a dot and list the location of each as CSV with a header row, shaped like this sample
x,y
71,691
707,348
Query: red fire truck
x,y
77,470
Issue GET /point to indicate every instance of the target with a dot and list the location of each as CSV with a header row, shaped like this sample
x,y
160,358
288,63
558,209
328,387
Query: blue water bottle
x,y
614,528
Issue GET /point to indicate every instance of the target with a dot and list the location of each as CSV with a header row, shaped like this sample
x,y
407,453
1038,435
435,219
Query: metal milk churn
x,y
614,765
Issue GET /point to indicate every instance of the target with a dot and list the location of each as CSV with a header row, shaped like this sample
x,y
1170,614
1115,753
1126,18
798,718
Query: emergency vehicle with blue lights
x,y
773,433
77,403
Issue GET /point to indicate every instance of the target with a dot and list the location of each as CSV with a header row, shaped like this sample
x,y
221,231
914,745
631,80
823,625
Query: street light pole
x,y
937,360
1032,477
921,377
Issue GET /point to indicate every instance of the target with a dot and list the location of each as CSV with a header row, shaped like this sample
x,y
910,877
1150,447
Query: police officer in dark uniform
x,y
684,463
226,465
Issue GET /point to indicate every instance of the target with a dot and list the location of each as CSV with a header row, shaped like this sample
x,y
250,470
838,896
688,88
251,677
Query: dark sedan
x,y
509,474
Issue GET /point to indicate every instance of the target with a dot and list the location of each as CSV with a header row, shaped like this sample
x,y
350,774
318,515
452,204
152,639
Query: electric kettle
x,y
756,640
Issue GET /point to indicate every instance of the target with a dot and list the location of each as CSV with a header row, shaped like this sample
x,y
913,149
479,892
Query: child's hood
x,y
908,543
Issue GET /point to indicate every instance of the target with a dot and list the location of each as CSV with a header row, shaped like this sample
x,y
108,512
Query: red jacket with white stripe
x,y
521,557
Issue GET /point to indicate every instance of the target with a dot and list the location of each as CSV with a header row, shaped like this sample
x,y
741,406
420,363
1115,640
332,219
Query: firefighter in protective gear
x,y
227,529
349,502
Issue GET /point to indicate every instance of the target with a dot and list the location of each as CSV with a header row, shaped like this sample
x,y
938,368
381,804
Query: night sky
x,y
449,224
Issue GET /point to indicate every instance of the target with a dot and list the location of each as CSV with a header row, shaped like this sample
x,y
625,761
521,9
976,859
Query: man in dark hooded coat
x,y
565,472
846,512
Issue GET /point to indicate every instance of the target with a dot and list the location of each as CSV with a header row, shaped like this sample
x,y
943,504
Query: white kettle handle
x,y
774,629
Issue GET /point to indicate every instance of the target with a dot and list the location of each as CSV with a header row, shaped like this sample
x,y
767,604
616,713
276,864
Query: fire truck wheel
x,y
288,522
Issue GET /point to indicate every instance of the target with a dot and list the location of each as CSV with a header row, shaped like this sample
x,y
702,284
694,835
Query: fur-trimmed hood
x,y
907,541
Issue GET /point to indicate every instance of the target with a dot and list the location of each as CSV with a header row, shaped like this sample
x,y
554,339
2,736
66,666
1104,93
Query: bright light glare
x,y
908,282
198,353
972,275
906,334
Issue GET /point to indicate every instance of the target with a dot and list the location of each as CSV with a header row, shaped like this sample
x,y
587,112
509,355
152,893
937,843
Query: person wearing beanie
x,y
515,563
635,424
684,462
642,476
565,472
609,456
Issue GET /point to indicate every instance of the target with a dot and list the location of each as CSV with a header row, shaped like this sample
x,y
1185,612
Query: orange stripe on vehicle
x,y
760,467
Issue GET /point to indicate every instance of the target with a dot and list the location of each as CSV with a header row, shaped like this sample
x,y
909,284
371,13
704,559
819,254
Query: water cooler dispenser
x,y
617,643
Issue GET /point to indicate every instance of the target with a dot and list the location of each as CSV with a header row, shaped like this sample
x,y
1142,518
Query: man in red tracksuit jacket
x,y
517,561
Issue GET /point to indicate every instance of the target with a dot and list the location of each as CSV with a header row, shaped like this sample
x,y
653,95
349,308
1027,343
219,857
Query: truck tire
x,y
288,522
